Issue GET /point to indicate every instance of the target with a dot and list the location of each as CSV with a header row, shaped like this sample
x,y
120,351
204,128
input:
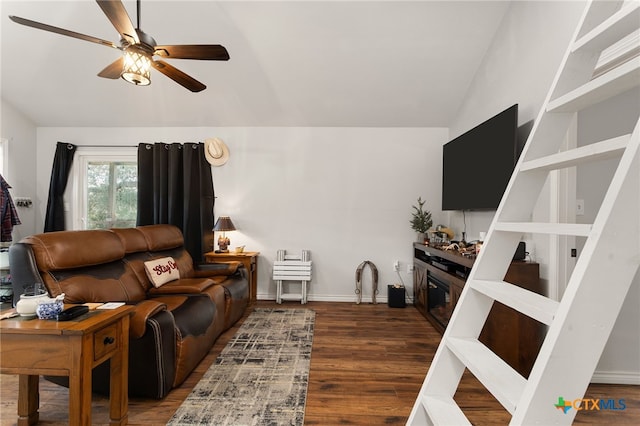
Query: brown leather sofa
x,y
173,327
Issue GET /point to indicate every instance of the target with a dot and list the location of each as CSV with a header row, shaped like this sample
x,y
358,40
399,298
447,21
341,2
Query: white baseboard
x,y
325,298
616,377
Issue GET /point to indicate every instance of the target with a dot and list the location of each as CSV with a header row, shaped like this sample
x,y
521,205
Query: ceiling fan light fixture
x,y
137,68
139,49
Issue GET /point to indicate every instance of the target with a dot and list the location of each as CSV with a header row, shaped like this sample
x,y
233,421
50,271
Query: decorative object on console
x,y
223,225
421,220
445,230
441,236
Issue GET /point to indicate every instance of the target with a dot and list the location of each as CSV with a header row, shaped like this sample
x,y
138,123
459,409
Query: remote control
x,y
72,312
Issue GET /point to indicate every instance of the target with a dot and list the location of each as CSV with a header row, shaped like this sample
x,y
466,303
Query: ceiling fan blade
x,y
62,31
113,70
213,52
178,76
117,14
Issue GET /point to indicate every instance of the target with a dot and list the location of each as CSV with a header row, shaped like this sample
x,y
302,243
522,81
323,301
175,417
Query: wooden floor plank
x,y
367,365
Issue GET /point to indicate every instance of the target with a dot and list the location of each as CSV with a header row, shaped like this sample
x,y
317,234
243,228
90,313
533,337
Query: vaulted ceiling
x,y
293,63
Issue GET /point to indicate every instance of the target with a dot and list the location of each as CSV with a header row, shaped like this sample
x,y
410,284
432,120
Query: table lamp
x,y
223,225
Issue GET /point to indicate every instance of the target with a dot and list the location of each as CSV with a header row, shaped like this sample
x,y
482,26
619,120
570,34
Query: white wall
x,y
343,193
519,68
21,173
620,362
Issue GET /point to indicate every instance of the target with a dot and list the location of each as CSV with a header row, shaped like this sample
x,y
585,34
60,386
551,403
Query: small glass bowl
x,y
49,310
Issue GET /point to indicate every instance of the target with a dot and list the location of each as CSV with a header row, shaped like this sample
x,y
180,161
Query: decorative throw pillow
x,y
161,271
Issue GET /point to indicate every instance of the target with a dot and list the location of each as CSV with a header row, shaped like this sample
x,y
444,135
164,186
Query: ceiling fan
x,y
139,48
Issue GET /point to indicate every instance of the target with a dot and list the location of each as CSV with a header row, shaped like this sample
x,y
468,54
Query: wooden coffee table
x,y
73,348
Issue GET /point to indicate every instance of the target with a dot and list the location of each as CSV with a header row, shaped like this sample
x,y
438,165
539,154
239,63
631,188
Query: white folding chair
x,y
292,267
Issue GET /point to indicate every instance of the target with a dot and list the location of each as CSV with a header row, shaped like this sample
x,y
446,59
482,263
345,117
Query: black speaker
x,y
396,297
521,251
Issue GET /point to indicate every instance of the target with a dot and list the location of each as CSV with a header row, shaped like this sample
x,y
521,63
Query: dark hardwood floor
x,y
367,365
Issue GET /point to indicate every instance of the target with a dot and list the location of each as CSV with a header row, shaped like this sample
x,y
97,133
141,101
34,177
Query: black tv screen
x,y
477,165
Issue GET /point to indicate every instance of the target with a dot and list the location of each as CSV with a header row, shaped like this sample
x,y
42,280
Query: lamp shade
x,y
224,224
137,68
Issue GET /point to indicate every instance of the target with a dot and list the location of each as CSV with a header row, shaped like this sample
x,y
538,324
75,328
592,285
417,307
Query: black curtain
x,y
175,186
54,219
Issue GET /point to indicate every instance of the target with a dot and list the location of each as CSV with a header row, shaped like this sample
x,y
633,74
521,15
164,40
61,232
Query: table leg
x,y
80,380
253,279
119,380
28,399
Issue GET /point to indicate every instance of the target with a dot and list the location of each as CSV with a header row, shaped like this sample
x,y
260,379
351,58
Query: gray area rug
x,y
260,377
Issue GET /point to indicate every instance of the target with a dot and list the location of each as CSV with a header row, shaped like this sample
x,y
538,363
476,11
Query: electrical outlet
x,y
396,265
410,267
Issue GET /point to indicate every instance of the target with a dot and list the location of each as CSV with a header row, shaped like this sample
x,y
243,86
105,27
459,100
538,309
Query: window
x,y
111,194
105,188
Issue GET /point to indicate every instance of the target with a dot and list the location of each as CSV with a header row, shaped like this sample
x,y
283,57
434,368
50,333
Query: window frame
x,y
83,156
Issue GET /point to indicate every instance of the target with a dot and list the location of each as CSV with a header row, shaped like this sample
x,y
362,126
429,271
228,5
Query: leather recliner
x,y
172,328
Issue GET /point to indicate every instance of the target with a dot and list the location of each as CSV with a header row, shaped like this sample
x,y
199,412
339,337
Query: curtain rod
x,y
107,146
125,146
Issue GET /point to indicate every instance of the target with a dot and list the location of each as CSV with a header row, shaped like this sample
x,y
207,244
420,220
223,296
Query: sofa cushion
x,y
183,286
218,268
161,271
131,238
162,237
109,282
72,249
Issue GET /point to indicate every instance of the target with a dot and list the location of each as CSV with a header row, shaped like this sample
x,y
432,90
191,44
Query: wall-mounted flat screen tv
x,y
477,165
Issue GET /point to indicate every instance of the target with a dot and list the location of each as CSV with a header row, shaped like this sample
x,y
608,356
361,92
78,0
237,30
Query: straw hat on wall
x,y
216,151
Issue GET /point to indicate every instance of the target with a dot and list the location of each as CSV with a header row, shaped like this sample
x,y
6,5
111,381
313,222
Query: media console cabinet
x,y
438,279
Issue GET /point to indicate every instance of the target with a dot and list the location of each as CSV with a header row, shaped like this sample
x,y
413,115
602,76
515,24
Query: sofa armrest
x,y
182,286
143,311
204,270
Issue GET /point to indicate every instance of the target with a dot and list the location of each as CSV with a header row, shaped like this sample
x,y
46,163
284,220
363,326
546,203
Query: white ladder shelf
x,y
292,267
580,323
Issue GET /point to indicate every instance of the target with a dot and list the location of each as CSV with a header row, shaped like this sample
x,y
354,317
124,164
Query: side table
x,y
34,347
250,261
